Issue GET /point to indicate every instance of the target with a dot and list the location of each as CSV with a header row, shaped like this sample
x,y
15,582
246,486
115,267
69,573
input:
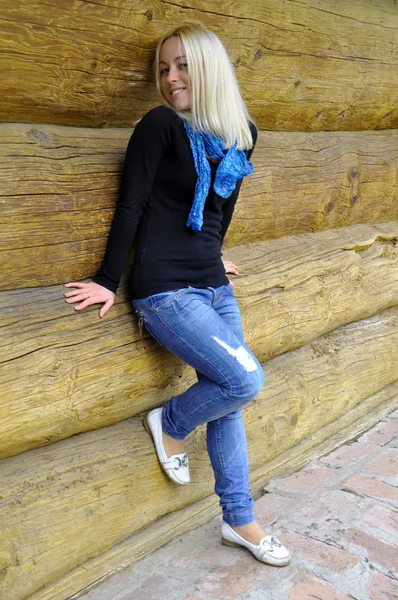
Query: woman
x,y
184,165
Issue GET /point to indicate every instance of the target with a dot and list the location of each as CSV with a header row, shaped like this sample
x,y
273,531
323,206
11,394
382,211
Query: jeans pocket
x,y
164,299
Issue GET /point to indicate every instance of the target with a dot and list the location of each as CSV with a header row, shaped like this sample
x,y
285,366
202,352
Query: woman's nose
x,y
172,75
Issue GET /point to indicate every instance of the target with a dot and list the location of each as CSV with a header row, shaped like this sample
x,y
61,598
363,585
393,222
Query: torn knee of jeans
x,y
243,357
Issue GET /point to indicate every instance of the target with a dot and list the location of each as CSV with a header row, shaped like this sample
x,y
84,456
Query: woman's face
x,y
174,80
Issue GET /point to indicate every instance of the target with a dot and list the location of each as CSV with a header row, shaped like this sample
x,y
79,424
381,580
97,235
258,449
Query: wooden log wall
x,y
315,234
66,373
55,220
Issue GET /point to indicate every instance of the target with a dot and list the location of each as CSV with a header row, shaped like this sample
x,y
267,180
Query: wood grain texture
x,y
52,497
63,373
97,570
301,66
58,188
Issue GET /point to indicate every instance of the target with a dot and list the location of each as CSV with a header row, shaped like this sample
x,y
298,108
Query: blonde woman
x,y
183,169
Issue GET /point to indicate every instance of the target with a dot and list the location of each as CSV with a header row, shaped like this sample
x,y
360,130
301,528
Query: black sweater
x,y
154,202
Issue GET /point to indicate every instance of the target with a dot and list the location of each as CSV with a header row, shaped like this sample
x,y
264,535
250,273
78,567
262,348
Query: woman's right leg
x,y
186,323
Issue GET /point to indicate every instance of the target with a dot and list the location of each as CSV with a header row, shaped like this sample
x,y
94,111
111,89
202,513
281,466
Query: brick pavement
x,y
338,515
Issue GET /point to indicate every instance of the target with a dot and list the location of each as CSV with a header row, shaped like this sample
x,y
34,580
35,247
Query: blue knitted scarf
x,y
233,165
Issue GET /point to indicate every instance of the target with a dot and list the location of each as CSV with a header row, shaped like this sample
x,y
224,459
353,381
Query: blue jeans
x,y
203,328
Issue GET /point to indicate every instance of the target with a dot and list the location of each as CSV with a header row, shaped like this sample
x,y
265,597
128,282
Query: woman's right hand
x,y
90,293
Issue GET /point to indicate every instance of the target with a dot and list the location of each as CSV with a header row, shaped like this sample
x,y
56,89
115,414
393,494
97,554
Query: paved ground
x,y
338,516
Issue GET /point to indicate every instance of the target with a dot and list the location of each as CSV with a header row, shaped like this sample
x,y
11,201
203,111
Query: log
x,y
64,373
306,183
56,219
68,502
90,64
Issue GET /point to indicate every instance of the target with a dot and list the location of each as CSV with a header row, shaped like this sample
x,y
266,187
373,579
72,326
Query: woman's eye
x,y
183,65
163,71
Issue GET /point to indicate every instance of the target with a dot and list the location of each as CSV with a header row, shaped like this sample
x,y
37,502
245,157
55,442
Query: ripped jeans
x,y
203,328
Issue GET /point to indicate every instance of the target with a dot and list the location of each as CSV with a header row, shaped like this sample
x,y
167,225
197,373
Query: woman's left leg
x,y
226,439
226,443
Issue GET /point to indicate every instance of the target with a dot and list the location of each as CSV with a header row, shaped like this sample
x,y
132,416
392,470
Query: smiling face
x,y
173,70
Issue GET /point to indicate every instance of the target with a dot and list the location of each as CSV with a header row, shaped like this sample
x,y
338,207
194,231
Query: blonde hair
x,y
217,105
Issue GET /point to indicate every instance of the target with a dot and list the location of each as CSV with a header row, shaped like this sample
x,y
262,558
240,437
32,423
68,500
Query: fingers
x,y
76,293
87,294
77,284
230,267
105,308
86,299
80,289
89,301
78,296
83,305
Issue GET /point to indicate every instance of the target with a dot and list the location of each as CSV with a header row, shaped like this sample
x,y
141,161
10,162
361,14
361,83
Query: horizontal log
x,y
52,497
55,219
306,183
89,64
64,373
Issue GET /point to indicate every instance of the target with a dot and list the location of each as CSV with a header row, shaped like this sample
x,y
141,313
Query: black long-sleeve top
x,y
155,199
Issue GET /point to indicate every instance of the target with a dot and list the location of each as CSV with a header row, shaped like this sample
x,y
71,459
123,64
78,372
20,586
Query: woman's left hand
x,y
230,268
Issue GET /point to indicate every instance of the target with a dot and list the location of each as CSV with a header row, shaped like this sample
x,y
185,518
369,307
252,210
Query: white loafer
x,y
270,550
175,466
